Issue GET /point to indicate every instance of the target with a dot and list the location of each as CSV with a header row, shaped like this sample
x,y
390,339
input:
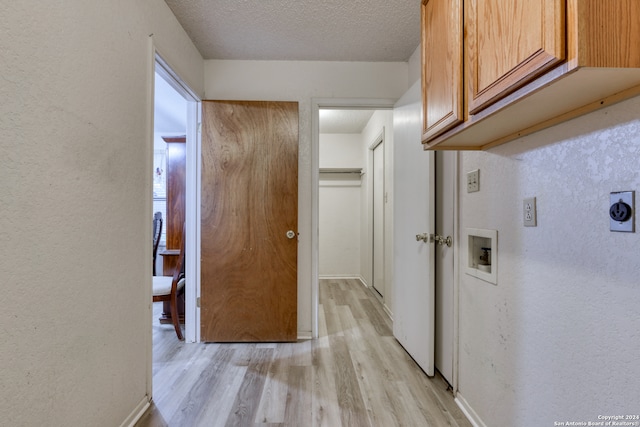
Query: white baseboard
x,y
468,411
338,276
388,311
305,335
137,413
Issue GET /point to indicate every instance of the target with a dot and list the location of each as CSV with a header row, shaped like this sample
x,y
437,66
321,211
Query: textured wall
x,y
558,338
75,205
301,81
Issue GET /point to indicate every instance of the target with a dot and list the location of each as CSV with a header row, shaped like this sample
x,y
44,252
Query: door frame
x,y
377,141
158,63
192,196
316,105
453,175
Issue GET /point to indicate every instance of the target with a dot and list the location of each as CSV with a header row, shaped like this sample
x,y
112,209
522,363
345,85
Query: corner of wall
x,y
415,69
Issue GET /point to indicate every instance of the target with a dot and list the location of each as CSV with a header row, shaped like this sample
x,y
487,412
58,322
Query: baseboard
x,y
468,411
304,335
137,413
364,282
389,312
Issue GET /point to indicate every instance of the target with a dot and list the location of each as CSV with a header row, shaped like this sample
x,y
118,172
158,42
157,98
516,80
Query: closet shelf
x,y
342,170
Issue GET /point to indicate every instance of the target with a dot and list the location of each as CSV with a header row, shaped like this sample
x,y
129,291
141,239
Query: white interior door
x,y
378,218
413,323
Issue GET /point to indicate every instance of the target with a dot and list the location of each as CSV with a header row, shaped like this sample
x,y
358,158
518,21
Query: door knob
x,y
443,240
424,237
291,234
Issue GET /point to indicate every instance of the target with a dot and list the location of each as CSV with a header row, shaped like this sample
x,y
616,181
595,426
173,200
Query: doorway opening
x,y
175,172
342,133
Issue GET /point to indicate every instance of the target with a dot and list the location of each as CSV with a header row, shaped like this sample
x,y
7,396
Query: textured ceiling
x,y
306,30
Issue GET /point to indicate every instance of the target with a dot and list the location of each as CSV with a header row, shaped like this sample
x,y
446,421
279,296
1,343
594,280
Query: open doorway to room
x,y
169,190
351,227
175,171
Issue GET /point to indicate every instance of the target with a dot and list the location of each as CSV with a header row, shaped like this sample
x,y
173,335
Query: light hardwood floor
x,y
354,374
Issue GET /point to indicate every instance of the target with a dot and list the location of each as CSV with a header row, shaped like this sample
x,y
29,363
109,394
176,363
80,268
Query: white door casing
x,y
445,165
378,191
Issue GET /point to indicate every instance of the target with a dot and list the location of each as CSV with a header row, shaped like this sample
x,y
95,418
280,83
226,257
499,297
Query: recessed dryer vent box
x,y
482,254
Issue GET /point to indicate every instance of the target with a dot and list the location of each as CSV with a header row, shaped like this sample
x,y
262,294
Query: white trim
x,y
192,251
171,77
364,282
148,181
192,226
338,276
468,411
377,141
137,413
387,310
198,216
192,248
316,104
456,274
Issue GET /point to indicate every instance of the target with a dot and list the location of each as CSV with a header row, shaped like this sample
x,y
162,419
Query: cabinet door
x,y
442,87
508,43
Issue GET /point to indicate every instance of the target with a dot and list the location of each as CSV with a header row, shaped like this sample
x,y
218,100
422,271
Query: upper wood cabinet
x,y
442,65
509,43
526,65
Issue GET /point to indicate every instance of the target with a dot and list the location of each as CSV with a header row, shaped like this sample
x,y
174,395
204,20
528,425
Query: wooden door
x,y
442,84
249,221
509,43
413,260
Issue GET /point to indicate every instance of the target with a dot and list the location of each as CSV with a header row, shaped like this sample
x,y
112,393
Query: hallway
x,y
355,374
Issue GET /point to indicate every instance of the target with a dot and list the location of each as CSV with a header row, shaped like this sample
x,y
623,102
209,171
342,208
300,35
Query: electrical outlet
x,y
621,211
529,218
473,181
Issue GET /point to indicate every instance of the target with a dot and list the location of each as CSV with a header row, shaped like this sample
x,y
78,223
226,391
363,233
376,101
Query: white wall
x,y
339,206
75,167
558,338
301,81
340,150
339,229
414,66
381,120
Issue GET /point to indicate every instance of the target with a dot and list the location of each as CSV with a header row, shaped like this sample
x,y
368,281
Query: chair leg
x,y
175,317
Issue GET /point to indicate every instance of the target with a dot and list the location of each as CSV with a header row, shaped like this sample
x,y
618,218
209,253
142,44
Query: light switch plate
x,y
473,181
529,216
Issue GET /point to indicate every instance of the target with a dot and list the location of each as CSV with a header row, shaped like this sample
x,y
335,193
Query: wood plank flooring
x,y
354,374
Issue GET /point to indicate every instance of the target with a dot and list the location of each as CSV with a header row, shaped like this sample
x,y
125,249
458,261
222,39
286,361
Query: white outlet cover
x,y
473,181
529,215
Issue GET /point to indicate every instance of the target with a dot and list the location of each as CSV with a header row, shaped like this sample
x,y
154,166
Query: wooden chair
x,y
167,288
157,233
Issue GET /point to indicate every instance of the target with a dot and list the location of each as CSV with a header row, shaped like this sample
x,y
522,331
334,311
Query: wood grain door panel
x,y
508,44
442,53
249,202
